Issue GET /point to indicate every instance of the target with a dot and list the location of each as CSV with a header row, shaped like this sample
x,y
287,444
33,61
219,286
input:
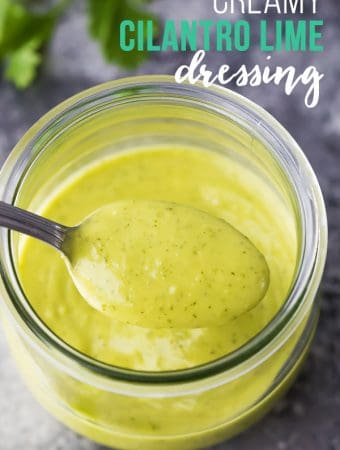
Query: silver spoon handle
x,y
29,223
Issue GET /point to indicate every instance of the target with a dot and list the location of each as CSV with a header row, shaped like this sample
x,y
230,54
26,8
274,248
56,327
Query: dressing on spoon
x,y
155,264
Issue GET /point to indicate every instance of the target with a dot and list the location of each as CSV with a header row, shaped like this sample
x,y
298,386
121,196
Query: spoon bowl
x,y
155,264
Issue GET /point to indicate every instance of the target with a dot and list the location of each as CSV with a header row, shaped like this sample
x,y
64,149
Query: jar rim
x,y
313,237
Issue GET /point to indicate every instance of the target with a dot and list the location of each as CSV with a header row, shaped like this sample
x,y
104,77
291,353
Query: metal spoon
x,y
155,264
26,222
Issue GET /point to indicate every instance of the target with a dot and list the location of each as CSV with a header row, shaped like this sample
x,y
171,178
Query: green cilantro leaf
x,y
105,18
22,64
26,27
23,33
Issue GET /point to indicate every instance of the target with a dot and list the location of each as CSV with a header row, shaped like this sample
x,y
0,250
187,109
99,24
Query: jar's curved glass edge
x,y
267,121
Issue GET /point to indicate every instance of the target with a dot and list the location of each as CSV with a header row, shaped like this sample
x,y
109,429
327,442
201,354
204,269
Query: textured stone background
x,y
309,417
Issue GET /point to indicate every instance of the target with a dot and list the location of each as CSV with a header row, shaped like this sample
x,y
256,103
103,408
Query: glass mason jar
x,y
183,409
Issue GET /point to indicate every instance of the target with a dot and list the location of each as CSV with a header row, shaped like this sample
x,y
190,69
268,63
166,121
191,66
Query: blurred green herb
x,y
26,27
104,27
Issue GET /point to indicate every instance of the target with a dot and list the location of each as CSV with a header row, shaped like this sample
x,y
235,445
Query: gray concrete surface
x,y
309,417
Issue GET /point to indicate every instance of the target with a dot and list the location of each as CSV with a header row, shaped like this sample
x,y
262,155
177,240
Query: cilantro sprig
x,y
104,27
26,27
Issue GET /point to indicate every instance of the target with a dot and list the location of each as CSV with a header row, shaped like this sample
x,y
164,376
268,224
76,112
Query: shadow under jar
x,y
129,387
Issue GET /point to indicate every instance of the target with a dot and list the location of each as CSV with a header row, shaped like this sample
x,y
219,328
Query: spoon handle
x,y
29,223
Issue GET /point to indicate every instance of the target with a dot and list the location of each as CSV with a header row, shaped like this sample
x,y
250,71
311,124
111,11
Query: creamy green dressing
x,y
209,182
165,265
